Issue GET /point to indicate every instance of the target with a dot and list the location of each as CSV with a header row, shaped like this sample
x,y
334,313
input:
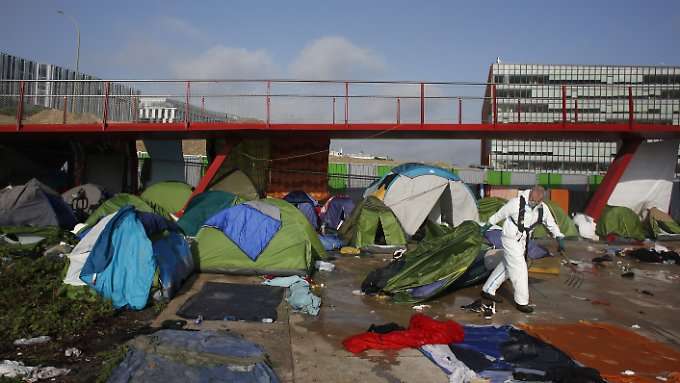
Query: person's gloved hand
x,y
484,228
560,244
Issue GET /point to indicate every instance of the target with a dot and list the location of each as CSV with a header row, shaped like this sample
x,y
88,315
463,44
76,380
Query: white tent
x,y
416,192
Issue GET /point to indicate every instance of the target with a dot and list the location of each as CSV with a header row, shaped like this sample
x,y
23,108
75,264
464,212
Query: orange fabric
x,y
612,350
561,198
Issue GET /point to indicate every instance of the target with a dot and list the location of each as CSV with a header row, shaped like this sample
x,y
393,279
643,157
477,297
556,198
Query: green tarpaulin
x,y
168,196
114,204
488,206
620,221
565,223
292,250
661,224
369,220
443,258
202,207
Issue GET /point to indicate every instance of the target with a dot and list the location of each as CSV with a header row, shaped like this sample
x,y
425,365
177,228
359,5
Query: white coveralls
x,y
513,265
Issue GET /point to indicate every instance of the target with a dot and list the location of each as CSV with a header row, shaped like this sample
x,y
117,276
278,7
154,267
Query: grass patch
x,y
34,302
110,360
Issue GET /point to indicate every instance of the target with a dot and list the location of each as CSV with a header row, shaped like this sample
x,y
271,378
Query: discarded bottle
x,y
199,319
267,320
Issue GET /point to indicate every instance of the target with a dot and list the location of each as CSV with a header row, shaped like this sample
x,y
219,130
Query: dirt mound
x,y
53,116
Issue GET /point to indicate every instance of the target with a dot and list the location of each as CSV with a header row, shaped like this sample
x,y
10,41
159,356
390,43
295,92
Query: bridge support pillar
x,y
599,200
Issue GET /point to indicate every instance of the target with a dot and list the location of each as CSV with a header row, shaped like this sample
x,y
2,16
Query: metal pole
x,y
460,110
105,114
631,116
564,104
422,103
333,110
495,104
75,23
398,111
575,109
186,105
63,119
346,103
20,107
519,111
268,101
203,109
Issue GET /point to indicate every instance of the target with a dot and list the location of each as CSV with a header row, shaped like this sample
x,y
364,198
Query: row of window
x,y
661,79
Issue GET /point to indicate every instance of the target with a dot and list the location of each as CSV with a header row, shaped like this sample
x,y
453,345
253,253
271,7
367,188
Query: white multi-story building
x,y
163,109
53,94
591,93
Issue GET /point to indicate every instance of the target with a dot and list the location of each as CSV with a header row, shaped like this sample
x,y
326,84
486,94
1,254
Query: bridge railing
x,y
332,102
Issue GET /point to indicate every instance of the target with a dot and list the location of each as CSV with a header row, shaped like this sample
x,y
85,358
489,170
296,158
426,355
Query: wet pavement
x,y
308,349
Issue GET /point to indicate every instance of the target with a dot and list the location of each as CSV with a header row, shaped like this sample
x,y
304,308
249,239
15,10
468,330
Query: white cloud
x,y
333,58
221,62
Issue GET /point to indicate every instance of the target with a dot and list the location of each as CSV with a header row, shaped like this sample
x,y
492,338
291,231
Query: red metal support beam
x,y
564,104
460,110
186,105
210,173
599,200
20,107
422,104
495,104
105,112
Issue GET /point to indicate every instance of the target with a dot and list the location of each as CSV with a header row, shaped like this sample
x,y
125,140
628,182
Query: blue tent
x,y
306,204
336,210
123,261
251,226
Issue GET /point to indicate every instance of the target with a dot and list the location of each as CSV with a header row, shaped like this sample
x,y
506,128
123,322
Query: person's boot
x,y
524,308
492,297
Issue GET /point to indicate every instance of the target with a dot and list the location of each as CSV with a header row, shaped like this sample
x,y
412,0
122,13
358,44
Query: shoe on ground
x,y
524,308
492,297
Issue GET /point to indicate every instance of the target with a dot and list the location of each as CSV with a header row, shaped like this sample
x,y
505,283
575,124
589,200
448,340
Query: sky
x,y
372,40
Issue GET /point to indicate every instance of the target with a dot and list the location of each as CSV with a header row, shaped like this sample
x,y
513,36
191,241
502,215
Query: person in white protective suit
x,y
521,215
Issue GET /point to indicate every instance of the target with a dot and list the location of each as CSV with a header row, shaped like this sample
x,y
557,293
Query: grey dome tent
x,y
34,204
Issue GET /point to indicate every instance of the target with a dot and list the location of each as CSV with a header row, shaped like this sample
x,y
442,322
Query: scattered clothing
x,y
422,330
586,226
442,356
324,266
487,340
654,256
385,328
14,369
32,341
603,258
472,358
299,297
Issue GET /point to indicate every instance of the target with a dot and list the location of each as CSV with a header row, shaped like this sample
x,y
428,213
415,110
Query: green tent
x,y
204,206
114,204
488,206
662,225
167,196
565,223
369,222
621,221
235,182
442,259
292,250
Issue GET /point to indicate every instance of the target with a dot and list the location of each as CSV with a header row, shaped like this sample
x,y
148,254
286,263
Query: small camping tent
x,y
336,210
267,236
167,196
236,182
202,207
34,204
435,265
306,204
123,253
661,225
114,204
85,198
620,221
416,192
372,223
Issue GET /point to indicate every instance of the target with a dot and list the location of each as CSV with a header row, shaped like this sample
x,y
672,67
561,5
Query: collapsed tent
x,y
372,223
85,198
186,356
114,204
620,221
306,204
268,236
433,266
236,182
336,210
34,204
167,196
488,206
202,207
416,192
566,225
123,253
662,225
30,241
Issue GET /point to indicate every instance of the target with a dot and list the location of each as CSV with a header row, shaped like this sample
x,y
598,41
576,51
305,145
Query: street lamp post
x,y
75,24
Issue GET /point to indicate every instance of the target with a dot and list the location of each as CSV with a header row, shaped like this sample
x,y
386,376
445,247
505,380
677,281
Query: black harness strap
x,y
520,223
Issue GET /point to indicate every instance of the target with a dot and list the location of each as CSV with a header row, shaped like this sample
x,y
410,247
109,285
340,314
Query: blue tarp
x,y
309,211
175,262
306,204
487,340
169,356
154,223
121,265
250,229
330,242
336,210
534,250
